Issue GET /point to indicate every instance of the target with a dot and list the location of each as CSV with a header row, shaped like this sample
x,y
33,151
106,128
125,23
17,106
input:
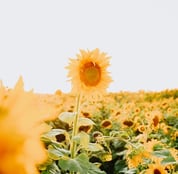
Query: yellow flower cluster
x,y
143,116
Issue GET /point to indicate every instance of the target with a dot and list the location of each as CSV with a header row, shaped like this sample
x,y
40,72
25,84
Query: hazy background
x,y
37,38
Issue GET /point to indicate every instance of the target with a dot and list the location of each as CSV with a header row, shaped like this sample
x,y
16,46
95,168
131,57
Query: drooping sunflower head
x,y
88,72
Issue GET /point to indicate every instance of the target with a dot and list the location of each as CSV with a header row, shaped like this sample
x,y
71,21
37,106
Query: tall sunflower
x,y
88,72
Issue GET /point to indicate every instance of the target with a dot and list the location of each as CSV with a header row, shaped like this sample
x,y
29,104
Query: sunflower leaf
x,y
84,139
94,147
56,153
162,153
168,161
85,122
67,117
79,164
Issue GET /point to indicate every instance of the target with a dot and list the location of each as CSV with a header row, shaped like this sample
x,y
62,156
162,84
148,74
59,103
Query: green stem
x,y
73,146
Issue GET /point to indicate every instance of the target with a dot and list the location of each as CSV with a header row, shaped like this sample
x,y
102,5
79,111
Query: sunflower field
x,y
89,130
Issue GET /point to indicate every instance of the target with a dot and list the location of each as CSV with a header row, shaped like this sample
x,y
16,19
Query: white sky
x,y
37,38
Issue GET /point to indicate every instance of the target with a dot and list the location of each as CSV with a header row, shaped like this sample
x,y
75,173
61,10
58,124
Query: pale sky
x,y
37,38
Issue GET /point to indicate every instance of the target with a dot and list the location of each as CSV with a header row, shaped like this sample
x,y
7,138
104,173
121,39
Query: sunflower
x,y
88,73
150,145
107,124
136,156
20,130
155,169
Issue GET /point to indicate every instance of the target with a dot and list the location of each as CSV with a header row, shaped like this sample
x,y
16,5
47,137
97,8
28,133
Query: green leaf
x,y
44,165
94,147
157,147
162,153
52,169
106,156
85,122
94,170
169,160
166,155
120,166
79,164
84,140
130,171
67,117
56,153
172,121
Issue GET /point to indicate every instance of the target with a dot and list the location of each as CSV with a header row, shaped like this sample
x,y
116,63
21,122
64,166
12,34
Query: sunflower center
x,y
156,171
155,121
90,74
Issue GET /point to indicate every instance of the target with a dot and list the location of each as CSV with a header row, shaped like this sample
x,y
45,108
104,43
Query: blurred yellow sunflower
x,y
20,130
136,157
155,169
88,72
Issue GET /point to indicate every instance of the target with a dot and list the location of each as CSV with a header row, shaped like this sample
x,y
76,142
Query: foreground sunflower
x,y
20,130
88,73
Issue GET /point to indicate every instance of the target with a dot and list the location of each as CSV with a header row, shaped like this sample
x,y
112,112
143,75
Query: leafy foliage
x,y
124,133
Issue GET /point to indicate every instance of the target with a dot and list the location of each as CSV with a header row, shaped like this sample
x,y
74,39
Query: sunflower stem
x,y
73,146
